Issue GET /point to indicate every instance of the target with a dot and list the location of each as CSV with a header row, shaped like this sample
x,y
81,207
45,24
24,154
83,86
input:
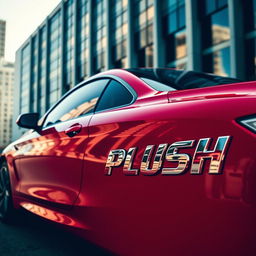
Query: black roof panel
x,y
182,79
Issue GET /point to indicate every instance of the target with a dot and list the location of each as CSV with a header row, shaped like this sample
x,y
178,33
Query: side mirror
x,y
28,120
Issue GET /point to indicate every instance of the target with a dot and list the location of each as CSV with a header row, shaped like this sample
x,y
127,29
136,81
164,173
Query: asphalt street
x,y
32,236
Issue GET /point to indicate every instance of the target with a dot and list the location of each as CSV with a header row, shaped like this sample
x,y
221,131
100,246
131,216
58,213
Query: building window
x,y
251,59
25,79
174,32
119,31
220,60
33,93
42,70
250,35
83,39
144,13
54,59
99,36
216,37
69,44
250,12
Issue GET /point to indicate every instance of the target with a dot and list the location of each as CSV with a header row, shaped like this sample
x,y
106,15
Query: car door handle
x,y
73,130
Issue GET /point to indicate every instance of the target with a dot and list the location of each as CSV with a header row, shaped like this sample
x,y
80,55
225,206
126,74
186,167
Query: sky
x,y
22,19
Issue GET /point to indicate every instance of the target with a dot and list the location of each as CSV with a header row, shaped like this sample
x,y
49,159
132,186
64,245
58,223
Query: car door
x,y
115,198
50,163
116,124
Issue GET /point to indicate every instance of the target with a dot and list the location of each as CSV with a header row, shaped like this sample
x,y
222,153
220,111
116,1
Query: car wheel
x,y
6,206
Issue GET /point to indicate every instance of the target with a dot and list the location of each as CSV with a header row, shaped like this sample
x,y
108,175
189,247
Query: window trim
x,y
84,83
80,85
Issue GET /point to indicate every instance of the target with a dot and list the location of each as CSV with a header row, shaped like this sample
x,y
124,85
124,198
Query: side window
x,y
80,102
115,95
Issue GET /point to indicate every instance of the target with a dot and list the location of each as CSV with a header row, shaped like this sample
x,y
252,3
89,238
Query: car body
x,y
144,162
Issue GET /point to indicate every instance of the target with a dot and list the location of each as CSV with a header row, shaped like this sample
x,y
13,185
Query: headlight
x,y
249,122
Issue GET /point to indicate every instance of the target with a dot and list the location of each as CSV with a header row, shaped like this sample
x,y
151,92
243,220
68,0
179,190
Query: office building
x,y
6,102
6,92
2,38
83,37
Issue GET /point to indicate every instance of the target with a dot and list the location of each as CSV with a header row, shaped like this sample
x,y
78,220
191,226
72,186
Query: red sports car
x,y
142,162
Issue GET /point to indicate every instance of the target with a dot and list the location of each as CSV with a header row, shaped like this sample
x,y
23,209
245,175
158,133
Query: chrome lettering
x,y
158,160
129,161
115,158
216,155
202,152
173,156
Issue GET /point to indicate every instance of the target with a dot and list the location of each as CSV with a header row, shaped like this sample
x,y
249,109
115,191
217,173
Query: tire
x,y
6,204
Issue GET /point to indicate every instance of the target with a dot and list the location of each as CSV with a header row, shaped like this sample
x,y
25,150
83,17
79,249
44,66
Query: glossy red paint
x,y
49,165
61,178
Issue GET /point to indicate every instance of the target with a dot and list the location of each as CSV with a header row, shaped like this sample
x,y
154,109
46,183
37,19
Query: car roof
x,y
182,79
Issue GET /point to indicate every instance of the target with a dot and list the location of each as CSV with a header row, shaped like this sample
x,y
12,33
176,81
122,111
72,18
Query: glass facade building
x,y
83,37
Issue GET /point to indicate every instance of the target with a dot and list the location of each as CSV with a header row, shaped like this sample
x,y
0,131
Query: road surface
x,y
36,237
